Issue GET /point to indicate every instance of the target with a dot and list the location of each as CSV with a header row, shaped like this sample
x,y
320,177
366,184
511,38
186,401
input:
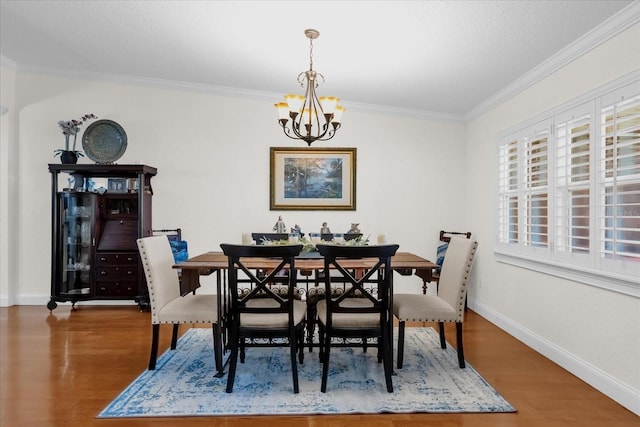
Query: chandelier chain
x,y
310,54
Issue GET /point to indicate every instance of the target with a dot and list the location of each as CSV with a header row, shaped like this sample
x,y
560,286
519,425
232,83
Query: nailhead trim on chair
x,y
152,296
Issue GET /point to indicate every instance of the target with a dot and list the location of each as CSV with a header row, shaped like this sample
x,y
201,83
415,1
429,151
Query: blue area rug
x,y
183,383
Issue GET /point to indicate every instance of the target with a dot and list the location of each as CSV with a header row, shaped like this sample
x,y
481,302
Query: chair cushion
x,y
423,308
201,308
272,320
349,320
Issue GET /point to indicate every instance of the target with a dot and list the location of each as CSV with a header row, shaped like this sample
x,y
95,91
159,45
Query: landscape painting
x,y
312,178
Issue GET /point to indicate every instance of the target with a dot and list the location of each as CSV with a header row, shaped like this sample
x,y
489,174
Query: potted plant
x,y
71,127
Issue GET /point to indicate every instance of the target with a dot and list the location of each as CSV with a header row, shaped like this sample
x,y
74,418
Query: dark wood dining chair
x,y
447,305
259,310
363,310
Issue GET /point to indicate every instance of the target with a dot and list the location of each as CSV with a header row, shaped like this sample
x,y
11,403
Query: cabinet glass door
x,y
76,242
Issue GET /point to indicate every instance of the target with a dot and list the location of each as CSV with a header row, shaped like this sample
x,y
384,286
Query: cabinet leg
x,y
143,303
51,305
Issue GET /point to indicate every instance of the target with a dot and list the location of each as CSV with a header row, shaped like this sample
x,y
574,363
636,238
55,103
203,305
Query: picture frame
x,y
117,185
132,184
312,178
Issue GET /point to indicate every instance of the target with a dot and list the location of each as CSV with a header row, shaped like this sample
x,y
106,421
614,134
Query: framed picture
x,y
117,185
132,184
312,178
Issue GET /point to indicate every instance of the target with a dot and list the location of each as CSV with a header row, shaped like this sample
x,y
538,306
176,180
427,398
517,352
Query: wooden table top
x,y
217,260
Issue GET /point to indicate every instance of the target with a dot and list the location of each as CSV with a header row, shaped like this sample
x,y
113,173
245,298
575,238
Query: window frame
x,y
587,267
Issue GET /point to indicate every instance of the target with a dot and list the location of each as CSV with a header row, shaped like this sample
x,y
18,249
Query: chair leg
x,y
388,358
311,324
325,367
401,325
293,350
233,360
155,331
321,343
300,338
443,341
225,333
174,336
217,349
459,344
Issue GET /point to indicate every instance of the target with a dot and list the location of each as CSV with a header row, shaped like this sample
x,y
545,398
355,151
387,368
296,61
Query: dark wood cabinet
x,y
94,230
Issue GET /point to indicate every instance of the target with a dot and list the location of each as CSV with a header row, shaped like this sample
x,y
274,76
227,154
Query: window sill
x,y
619,283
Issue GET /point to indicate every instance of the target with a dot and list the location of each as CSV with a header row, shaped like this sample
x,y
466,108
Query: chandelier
x,y
312,118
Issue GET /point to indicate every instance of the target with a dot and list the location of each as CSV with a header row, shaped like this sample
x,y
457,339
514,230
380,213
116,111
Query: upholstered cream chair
x,y
448,304
167,306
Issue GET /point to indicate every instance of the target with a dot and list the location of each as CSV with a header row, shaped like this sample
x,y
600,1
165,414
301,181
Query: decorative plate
x,y
104,141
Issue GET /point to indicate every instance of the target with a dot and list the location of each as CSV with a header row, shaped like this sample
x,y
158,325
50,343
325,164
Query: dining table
x,y
215,262
404,263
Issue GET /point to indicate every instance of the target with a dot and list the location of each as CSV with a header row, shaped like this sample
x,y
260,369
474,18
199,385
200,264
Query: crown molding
x,y
607,30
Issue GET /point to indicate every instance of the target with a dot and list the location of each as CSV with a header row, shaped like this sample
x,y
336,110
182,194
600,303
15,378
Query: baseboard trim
x,y
598,379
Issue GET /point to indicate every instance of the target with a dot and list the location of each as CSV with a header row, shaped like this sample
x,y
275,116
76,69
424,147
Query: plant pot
x,y
68,157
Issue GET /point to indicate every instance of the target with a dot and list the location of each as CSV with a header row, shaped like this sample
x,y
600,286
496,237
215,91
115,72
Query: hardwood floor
x,y
62,369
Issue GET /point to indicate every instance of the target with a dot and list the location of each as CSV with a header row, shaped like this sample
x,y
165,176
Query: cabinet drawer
x,y
117,273
123,288
116,258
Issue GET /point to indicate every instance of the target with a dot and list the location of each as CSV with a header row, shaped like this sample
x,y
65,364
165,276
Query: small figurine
x,y
296,229
280,227
354,228
325,229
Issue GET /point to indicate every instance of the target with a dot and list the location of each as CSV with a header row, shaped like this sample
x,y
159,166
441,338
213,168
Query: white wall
x,y
592,332
8,188
212,155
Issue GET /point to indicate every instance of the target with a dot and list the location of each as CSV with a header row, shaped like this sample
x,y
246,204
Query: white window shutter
x,y
535,179
572,193
508,186
618,197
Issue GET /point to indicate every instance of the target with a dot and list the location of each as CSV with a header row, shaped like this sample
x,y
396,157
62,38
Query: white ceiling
x,y
436,57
